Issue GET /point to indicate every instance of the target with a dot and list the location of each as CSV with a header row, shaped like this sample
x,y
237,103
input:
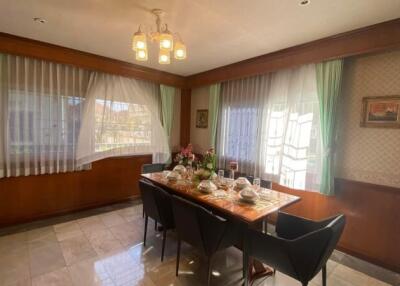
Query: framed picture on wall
x,y
202,118
381,112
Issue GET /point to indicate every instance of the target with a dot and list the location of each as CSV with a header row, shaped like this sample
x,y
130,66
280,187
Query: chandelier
x,y
167,41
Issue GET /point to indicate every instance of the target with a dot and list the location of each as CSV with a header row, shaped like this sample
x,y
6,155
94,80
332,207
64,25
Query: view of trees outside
x,y
121,124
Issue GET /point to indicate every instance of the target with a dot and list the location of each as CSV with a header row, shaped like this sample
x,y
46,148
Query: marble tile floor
x,y
104,247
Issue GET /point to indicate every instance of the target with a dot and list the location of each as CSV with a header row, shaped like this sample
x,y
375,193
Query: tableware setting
x,y
249,195
180,169
173,176
207,186
241,183
220,193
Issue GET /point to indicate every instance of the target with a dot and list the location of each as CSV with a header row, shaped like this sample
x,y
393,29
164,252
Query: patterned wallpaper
x,y
368,154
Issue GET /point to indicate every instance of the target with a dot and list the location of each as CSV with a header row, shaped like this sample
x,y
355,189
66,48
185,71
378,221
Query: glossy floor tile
x,y
105,248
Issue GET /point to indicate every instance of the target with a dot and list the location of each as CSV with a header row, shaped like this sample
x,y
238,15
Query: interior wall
x,y
368,154
199,137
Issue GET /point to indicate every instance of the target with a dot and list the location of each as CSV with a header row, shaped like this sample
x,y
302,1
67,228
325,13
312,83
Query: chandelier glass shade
x,y
168,42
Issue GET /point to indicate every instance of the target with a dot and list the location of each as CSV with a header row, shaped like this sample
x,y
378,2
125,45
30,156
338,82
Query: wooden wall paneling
x,y
375,38
372,230
31,48
110,180
185,116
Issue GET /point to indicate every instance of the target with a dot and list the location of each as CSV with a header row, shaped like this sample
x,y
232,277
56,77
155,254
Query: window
x,y
270,125
127,124
41,104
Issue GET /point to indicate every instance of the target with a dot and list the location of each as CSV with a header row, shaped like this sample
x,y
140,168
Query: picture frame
x,y
381,112
202,118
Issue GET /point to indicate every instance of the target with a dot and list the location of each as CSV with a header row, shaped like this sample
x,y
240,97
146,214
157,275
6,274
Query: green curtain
x,y
213,106
167,106
329,78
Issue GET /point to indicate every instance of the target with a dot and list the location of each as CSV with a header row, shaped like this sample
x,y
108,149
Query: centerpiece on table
x,y
206,168
186,157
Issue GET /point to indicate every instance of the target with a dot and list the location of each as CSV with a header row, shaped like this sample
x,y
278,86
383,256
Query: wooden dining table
x,y
229,204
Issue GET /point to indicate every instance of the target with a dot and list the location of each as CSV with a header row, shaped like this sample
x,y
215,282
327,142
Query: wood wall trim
x,y
372,229
111,180
375,38
31,48
185,116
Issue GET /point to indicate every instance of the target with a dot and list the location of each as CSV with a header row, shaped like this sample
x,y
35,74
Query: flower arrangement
x,y
186,156
207,166
209,160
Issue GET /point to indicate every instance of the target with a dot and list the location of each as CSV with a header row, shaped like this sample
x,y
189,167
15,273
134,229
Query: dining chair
x,y
152,168
300,248
264,183
157,205
203,230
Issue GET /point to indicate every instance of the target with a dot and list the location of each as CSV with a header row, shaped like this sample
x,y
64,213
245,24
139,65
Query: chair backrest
x,y
152,168
336,226
311,251
198,226
156,203
264,183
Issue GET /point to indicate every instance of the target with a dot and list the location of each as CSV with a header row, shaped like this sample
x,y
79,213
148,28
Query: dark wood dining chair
x,y
264,183
300,249
157,205
152,168
203,230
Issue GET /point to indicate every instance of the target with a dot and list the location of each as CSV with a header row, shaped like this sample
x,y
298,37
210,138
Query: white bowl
x,y
242,183
248,194
206,186
180,169
173,176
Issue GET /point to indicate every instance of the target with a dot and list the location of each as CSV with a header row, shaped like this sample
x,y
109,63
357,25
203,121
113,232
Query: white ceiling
x,y
217,32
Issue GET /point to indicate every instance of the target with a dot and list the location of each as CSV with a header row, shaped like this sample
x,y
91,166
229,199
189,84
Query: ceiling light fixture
x,y
304,2
168,42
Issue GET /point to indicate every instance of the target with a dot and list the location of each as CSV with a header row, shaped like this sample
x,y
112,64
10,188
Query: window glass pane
x,y
121,124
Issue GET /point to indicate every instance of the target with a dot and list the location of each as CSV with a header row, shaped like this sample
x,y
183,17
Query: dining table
x,y
229,203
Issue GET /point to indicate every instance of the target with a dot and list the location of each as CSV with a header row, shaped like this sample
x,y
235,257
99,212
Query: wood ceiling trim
x,y
375,38
31,48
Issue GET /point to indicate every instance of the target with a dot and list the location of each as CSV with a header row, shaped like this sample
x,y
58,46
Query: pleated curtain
x,y
213,108
329,78
167,106
41,110
242,110
270,124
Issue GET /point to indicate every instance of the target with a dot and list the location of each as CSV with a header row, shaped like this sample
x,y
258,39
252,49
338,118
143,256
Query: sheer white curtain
x,y
273,130
40,105
242,110
292,139
121,117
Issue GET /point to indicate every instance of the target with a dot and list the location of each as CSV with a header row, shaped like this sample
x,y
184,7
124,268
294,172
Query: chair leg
x,y
142,211
209,269
163,244
324,275
178,256
155,225
246,269
146,219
